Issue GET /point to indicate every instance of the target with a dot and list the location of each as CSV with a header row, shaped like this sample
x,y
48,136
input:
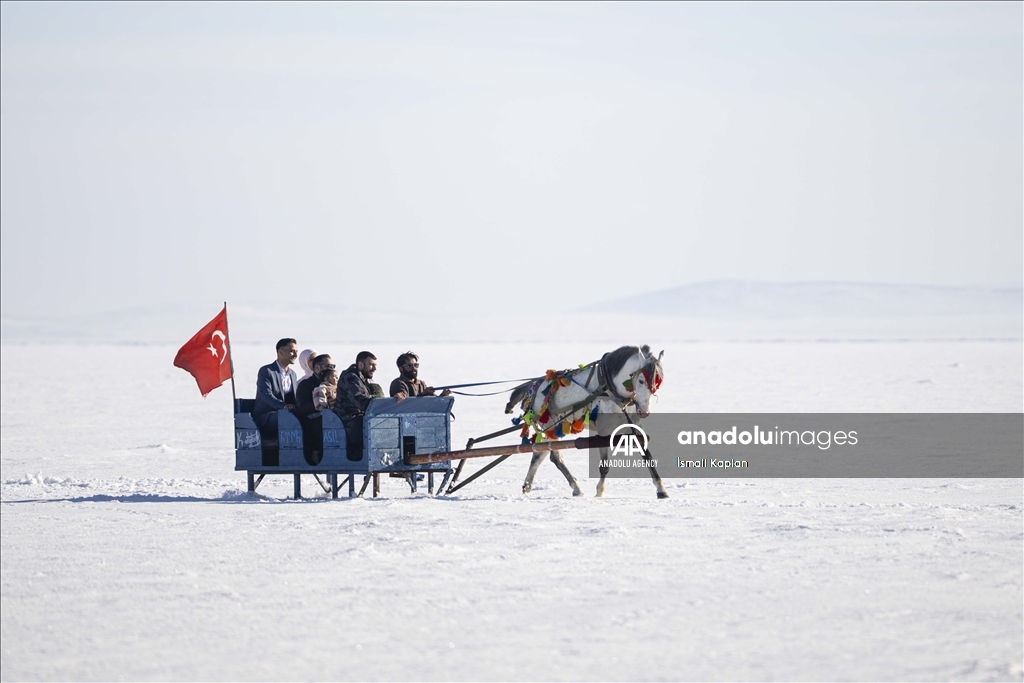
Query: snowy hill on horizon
x,y
722,310
781,300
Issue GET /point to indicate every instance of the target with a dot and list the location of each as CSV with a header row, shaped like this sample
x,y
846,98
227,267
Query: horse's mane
x,y
518,394
613,361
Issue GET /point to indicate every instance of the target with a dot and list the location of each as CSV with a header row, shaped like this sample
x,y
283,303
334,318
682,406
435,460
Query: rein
x,y
466,393
483,384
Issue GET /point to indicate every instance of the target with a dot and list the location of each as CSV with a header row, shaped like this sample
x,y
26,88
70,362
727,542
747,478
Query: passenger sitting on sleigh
x,y
408,384
355,391
326,393
308,409
321,365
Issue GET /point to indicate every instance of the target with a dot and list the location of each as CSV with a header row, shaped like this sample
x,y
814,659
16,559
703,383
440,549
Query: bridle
x,y
652,374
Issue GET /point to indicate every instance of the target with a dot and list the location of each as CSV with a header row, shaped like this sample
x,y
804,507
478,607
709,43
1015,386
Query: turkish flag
x,y
205,356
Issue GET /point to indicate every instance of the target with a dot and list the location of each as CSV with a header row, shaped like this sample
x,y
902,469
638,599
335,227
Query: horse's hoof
x,y
662,494
526,489
577,492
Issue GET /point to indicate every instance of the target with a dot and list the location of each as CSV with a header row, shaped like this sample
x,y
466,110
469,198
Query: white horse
x,y
622,382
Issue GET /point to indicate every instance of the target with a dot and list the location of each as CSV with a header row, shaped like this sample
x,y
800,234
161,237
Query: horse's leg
x,y
604,472
538,458
556,458
662,493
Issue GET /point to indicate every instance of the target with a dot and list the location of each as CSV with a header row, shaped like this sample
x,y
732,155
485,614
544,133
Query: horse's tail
x,y
518,394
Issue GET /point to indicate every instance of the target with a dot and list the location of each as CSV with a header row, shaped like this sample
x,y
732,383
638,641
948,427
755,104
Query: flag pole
x,y
231,358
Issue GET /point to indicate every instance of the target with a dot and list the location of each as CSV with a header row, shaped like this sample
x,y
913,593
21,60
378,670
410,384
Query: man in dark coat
x,y
407,383
304,394
275,390
355,391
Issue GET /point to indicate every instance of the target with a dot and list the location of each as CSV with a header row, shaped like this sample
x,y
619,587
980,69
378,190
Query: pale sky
x,y
528,157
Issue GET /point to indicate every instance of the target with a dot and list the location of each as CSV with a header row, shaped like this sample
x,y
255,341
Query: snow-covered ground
x,y
130,549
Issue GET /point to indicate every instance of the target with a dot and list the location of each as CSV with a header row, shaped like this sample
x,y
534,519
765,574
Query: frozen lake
x,y
130,549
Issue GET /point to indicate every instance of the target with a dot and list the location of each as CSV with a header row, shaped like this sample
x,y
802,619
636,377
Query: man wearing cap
x,y
307,412
304,394
407,383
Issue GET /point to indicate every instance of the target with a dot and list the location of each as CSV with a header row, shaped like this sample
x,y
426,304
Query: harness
x,y
566,421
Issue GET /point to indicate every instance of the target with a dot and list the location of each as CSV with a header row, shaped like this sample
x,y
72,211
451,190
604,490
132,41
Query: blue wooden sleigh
x,y
392,430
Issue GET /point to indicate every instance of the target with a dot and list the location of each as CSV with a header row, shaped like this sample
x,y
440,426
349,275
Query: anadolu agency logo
x,y
628,444
625,441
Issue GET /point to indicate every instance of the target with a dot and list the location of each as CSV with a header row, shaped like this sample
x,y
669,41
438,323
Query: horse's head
x,y
634,374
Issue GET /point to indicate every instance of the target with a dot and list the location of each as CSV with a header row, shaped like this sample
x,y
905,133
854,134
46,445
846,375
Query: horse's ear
x,y
646,350
661,354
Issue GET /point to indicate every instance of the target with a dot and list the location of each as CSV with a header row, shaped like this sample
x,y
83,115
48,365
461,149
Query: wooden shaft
x,y
479,473
581,443
486,437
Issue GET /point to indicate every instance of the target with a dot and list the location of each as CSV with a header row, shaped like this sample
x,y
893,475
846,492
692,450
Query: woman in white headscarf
x,y
305,358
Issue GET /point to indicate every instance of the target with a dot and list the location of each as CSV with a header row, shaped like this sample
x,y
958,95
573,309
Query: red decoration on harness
x,y
653,378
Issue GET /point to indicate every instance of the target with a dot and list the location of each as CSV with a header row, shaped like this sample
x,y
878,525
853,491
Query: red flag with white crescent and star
x,y
205,356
